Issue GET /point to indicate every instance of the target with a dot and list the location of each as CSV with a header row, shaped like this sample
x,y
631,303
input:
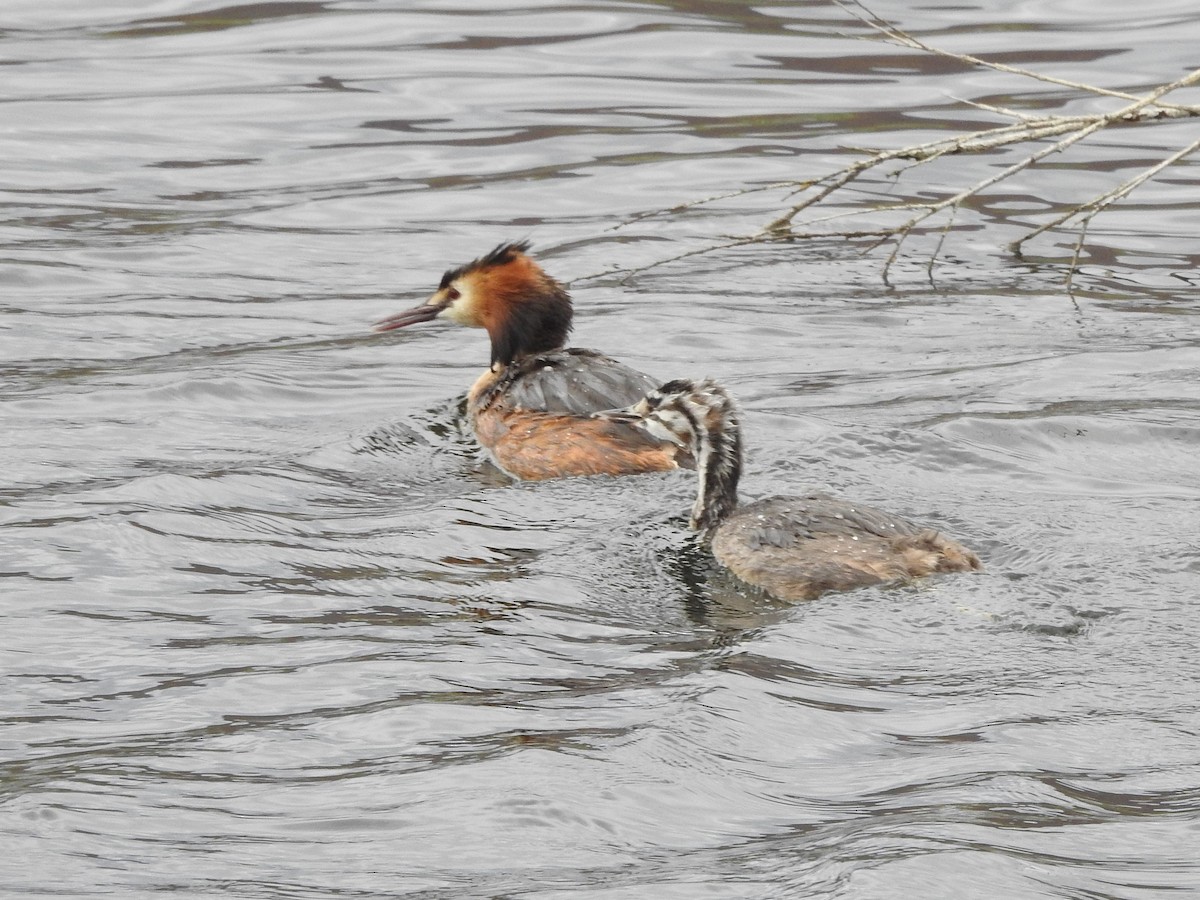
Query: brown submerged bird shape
x,y
795,548
541,408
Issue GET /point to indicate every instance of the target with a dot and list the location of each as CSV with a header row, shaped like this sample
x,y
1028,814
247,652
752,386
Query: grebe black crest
x,y
535,409
795,548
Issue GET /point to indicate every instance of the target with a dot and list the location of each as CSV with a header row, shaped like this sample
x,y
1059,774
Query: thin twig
x,y
691,204
941,240
1097,204
1074,267
699,251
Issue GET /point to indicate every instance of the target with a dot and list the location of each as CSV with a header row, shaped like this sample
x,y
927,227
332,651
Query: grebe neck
x,y
536,319
718,451
701,416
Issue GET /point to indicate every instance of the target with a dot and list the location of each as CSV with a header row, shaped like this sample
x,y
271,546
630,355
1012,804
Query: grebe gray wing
x,y
573,382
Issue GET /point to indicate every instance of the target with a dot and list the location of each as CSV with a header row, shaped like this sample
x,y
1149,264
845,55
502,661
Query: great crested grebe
x,y
536,407
795,548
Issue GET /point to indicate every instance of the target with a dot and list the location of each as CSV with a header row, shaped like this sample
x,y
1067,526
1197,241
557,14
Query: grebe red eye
x,y
452,294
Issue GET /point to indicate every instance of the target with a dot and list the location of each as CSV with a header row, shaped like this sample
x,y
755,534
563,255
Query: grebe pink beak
x,y
422,313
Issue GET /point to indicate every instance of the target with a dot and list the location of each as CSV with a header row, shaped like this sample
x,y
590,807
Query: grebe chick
x,y
795,548
535,407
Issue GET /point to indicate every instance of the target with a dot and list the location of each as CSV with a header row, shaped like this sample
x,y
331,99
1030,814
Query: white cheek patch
x,y
669,426
462,308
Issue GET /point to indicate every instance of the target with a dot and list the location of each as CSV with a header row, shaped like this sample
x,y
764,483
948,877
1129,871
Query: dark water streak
x,y
274,628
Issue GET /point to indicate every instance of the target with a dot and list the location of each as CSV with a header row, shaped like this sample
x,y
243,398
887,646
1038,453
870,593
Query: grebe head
x,y
524,310
701,416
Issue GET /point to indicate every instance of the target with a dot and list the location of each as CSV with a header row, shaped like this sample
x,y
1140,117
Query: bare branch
x,y
1062,131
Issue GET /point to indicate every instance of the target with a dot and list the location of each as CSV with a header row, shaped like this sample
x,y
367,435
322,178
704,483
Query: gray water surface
x,y
273,626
